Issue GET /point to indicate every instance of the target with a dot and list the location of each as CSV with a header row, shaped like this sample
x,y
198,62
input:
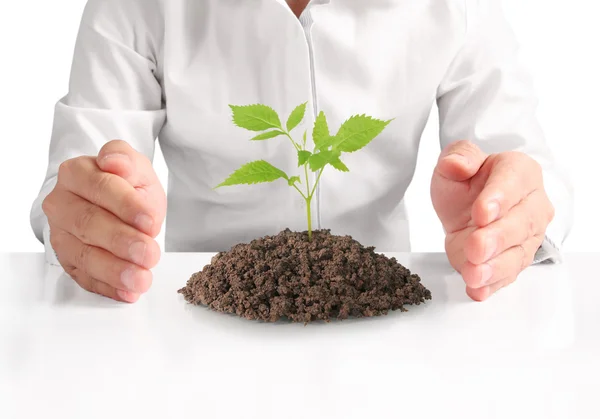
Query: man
x,y
170,69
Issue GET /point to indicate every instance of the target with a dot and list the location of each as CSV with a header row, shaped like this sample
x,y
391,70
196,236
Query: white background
x,y
36,46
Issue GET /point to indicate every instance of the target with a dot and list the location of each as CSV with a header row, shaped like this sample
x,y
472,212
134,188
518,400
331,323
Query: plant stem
x,y
300,192
308,215
310,195
296,146
308,199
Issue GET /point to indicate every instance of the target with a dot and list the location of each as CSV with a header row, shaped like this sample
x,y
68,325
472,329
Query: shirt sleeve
x,y
114,92
487,97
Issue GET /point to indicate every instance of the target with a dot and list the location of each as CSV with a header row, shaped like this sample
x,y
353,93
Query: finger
x,y
83,280
101,265
506,265
482,294
485,279
97,287
525,221
111,192
455,245
460,161
513,176
119,158
95,226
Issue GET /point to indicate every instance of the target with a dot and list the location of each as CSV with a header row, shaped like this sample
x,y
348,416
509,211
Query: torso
x,y
384,58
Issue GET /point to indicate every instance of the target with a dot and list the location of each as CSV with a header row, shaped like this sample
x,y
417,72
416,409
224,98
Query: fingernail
x,y
115,156
144,222
486,273
493,209
127,279
137,252
127,296
490,248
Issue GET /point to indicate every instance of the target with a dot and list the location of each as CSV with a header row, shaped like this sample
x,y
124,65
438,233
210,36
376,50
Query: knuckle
x,y
470,276
83,221
73,272
133,205
55,240
48,205
509,167
454,256
512,155
533,163
92,286
63,170
475,243
119,239
101,183
82,257
531,226
523,257
67,167
79,277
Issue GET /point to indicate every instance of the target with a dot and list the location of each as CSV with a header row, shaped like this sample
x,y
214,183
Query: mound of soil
x,y
288,276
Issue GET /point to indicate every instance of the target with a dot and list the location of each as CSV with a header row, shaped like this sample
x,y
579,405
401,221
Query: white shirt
x,y
169,69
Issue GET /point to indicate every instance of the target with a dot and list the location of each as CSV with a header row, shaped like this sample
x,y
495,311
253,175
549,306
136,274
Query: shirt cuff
x,y
548,252
51,257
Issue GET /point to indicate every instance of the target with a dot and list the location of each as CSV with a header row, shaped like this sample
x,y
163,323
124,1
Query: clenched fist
x,y
495,212
104,215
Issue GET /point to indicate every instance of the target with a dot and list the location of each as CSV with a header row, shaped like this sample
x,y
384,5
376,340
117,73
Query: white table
x,y
532,351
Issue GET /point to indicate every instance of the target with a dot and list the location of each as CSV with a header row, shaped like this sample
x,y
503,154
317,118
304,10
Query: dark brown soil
x,y
286,276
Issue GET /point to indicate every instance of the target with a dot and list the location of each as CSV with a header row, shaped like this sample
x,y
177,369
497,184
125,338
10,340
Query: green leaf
x,y
293,180
339,165
319,160
304,140
296,117
357,132
267,135
320,131
327,142
258,171
303,156
255,117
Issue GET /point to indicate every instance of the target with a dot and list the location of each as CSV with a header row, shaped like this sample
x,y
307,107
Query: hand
x,y
495,212
104,215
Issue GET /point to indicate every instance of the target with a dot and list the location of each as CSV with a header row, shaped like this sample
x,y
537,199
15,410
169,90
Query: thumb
x,y
460,161
119,158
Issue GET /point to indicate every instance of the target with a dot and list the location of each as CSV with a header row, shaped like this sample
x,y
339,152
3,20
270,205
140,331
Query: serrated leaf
x,y
255,117
303,157
357,132
320,160
328,142
320,131
296,117
339,165
258,171
267,135
293,180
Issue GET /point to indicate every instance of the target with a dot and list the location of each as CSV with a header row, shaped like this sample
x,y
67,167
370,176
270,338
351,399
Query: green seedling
x,y
354,134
